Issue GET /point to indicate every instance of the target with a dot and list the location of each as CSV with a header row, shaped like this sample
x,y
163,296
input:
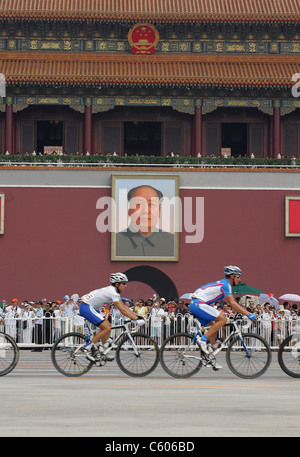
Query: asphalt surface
x,y
37,401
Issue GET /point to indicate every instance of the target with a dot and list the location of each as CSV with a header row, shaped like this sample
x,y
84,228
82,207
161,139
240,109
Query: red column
x,y
9,130
88,130
270,152
198,131
276,132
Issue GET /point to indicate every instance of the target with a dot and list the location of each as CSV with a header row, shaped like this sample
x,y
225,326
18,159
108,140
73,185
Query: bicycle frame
x,y
236,331
126,331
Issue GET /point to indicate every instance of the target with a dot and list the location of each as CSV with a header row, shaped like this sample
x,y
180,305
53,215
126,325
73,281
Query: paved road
x,y
38,401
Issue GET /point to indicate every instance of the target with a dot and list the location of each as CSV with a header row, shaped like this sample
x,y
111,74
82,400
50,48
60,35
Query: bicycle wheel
x,y
248,358
289,355
9,354
141,363
68,358
179,357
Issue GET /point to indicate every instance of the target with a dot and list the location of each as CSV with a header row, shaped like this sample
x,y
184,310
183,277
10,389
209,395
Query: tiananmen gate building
x,y
180,78
184,77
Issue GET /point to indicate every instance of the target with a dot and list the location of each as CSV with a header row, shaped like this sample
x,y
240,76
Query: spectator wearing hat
x,y
27,315
281,324
68,311
149,304
169,319
266,322
56,320
157,314
12,313
69,305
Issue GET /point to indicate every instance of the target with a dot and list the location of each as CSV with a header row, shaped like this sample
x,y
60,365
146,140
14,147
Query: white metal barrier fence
x,y
33,333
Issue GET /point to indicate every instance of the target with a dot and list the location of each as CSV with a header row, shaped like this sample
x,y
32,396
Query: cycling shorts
x,y
204,312
90,314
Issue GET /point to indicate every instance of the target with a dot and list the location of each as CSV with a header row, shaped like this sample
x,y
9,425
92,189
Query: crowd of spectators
x,y
41,323
274,323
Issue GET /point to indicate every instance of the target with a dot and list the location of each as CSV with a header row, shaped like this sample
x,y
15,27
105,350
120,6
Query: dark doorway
x,y
159,281
142,138
49,133
234,136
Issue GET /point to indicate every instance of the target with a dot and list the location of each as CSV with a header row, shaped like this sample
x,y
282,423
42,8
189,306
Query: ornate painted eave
x,y
153,10
91,69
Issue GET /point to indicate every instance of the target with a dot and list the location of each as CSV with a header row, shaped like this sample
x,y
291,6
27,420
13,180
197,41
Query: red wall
x,y
51,246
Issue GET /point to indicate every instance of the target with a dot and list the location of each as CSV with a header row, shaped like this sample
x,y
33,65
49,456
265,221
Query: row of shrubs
x,y
147,160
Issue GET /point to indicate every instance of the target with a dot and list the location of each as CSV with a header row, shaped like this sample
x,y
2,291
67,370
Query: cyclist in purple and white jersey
x,y
204,297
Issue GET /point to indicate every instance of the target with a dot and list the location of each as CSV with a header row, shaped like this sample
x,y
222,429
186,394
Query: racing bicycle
x,y
289,355
248,355
137,354
9,354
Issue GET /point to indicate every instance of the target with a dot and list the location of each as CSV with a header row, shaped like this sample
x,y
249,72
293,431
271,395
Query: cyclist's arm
x,y
234,304
126,311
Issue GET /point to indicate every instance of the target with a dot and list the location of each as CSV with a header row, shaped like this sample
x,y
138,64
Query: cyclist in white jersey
x,y
204,297
91,304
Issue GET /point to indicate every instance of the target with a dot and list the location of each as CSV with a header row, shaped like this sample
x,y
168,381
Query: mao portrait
x,y
145,218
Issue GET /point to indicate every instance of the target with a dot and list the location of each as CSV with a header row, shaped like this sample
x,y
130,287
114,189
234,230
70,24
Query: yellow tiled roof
x,y
175,69
154,10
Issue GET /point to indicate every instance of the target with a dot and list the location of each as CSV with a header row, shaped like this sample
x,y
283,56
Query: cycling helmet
x,y
118,277
232,270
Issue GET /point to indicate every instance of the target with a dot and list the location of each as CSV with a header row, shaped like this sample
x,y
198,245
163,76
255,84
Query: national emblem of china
x,y
143,38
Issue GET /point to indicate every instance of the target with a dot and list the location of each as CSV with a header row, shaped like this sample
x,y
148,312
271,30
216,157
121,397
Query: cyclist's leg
x,y
206,314
212,332
95,318
105,329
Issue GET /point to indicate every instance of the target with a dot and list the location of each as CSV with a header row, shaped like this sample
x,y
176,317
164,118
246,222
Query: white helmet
x,y
118,277
232,270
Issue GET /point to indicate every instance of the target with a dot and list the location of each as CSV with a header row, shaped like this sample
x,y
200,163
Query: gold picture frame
x,y
128,242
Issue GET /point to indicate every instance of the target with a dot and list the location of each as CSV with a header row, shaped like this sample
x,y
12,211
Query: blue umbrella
x,y
127,299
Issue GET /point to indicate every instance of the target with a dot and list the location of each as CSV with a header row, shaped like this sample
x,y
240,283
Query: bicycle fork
x,y
131,340
247,351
